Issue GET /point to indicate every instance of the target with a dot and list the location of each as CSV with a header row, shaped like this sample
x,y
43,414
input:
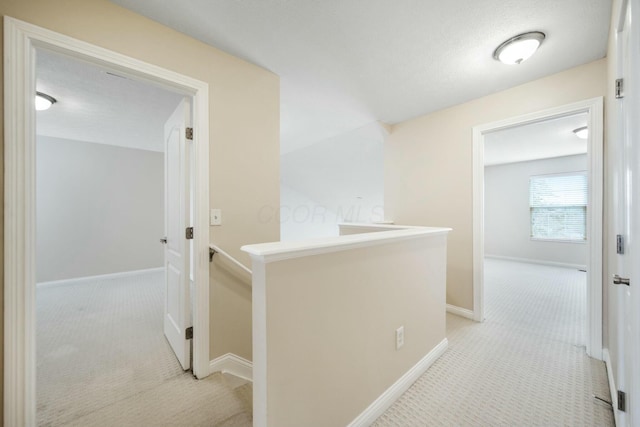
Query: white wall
x,y
507,220
303,218
334,180
99,209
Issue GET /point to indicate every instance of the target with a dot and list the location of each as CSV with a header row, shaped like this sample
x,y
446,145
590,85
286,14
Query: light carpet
x,y
102,360
524,366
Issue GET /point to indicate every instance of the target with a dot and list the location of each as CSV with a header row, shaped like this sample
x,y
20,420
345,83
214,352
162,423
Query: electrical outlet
x,y
399,337
216,217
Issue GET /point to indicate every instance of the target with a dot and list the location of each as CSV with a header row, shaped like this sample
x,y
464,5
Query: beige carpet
x,y
524,366
98,365
102,360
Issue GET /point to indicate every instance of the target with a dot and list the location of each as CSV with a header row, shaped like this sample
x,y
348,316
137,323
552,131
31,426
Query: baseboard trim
x,y
386,399
612,385
459,311
232,364
101,277
538,261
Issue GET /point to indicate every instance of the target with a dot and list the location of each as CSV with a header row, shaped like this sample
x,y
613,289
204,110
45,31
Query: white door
x,y
632,297
177,308
626,186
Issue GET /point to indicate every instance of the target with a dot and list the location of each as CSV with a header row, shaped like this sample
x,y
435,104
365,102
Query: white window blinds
x,y
558,205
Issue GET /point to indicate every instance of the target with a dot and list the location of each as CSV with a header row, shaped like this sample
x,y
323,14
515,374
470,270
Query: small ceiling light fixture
x,y
582,132
44,101
519,48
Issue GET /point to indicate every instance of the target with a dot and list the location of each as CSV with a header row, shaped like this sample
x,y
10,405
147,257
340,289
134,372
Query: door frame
x,y
20,41
595,160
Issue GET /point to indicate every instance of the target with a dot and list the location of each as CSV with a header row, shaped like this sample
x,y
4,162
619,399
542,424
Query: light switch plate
x,y
216,217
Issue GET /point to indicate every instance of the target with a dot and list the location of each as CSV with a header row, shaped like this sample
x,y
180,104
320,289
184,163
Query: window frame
x,y
586,208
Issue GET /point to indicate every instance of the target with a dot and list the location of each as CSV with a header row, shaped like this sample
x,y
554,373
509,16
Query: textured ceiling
x,y
99,107
543,140
346,63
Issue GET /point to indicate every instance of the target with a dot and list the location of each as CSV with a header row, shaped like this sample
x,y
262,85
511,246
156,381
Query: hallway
x,y
525,365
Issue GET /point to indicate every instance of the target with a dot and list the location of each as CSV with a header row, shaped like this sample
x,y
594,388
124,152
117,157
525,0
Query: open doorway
x,y
535,226
21,42
102,177
591,177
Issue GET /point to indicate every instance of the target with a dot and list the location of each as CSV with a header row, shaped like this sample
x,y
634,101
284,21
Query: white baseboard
x,y
612,385
463,312
101,277
538,261
231,364
392,394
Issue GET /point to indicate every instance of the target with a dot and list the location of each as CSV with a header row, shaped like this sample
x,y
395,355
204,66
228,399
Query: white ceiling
x,y
543,140
346,63
98,107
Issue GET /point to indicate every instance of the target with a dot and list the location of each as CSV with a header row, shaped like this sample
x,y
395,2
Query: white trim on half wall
x,y
232,364
393,393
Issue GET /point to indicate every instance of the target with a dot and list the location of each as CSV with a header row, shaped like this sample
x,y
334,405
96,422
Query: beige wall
x,y
244,126
230,311
428,161
330,327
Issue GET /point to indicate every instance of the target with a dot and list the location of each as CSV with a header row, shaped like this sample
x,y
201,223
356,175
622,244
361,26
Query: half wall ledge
x,y
370,235
346,322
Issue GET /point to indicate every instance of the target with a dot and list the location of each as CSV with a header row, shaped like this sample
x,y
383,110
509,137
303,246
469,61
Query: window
x,y
558,206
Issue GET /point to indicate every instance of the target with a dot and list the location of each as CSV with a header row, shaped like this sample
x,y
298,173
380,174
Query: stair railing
x,y
213,249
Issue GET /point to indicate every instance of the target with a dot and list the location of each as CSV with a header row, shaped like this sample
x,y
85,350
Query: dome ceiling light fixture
x,y
582,132
518,49
44,101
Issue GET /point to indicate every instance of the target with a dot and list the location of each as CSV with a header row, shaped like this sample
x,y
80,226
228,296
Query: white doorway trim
x,y
594,109
20,41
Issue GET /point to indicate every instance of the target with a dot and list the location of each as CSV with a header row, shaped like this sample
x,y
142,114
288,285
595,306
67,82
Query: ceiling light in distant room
x,y
582,133
519,48
44,101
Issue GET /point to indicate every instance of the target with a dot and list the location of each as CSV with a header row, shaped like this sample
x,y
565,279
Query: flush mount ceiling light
x,y
519,48
44,101
582,133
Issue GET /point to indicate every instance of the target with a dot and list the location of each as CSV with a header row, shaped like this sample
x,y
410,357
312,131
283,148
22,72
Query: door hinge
x,y
619,244
622,401
188,133
619,88
188,333
189,233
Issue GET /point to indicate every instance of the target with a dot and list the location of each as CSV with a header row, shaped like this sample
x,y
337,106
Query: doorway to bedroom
x,y
535,227
559,206
102,191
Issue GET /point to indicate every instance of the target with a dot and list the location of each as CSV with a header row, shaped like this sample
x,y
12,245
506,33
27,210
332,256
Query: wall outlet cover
x,y
399,337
